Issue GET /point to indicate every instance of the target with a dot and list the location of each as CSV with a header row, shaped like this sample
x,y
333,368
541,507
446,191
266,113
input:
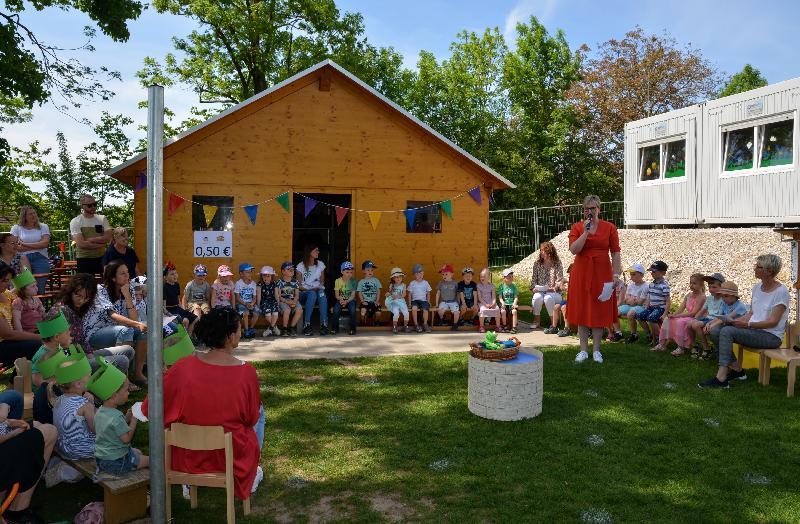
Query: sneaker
x,y
597,357
632,338
308,330
581,356
185,491
534,325
428,328
406,328
267,333
713,383
351,332
252,332
564,332
736,375
293,331
482,329
454,327
276,331
616,336
648,338
394,329
550,331
258,479
513,331
323,330
287,332
334,331
419,329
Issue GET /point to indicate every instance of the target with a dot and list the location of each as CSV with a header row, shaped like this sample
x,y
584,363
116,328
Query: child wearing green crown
x,y
73,414
113,451
55,337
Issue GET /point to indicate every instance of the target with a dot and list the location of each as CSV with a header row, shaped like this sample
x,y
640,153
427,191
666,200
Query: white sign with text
x,y
213,244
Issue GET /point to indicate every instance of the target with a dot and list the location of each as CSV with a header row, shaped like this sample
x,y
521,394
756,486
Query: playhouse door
x,y
320,227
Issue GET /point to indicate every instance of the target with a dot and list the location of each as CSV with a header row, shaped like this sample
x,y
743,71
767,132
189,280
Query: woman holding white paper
x,y
592,305
547,276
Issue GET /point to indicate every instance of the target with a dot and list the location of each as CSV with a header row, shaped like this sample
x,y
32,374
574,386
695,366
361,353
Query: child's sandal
x,y
658,347
695,353
677,352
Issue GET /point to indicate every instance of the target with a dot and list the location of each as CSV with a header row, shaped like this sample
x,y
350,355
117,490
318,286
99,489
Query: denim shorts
x,y
125,464
420,304
651,314
449,306
286,307
705,320
624,309
242,309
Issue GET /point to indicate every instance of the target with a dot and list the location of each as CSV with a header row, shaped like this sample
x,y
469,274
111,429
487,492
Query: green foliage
x,y
745,80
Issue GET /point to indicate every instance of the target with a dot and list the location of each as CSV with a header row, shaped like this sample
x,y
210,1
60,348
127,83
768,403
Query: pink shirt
x,y
32,311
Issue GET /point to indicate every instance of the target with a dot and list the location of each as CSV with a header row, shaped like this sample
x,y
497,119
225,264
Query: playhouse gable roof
x,y
125,171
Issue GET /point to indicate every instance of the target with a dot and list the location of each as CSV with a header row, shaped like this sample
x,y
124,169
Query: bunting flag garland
x,y
475,193
174,203
341,212
310,204
410,214
283,200
141,182
447,207
208,213
374,218
251,211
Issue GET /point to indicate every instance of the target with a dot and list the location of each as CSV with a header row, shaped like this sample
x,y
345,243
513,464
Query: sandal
x,y
658,347
706,354
677,352
482,329
695,353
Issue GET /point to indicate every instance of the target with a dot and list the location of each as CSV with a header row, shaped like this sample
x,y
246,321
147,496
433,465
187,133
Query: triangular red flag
x,y
341,212
174,203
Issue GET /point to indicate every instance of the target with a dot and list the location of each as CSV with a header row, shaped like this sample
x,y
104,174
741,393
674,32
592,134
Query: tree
x,y
745,80
243,48
639,76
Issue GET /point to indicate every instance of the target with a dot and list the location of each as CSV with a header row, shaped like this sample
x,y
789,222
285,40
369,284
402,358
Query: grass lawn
x,y
631,440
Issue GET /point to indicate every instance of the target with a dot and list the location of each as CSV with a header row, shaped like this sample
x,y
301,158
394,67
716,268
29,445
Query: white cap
x,y
636,267
507,271
267,270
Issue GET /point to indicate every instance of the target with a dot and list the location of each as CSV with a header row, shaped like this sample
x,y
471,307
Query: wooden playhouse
x,y
319,158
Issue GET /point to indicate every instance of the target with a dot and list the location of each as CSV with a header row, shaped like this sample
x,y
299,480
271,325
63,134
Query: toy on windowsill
x,y
492,349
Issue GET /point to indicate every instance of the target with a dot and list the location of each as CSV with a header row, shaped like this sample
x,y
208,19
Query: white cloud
x,y
542,9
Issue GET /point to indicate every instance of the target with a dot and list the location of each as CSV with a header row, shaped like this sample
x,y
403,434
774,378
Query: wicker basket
x,y
495,355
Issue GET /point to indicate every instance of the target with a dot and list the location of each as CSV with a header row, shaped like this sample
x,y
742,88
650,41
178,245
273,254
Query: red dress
x,y
203,394
590,270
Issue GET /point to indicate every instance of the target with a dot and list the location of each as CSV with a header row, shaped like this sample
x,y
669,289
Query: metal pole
x,y
155,210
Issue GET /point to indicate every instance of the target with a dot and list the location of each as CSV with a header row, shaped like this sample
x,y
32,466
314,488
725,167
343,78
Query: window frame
x,y
198,201
662,142
420,205
757,125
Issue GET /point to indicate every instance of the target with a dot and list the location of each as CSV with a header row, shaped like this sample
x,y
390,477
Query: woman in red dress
x,y
591,241
216,389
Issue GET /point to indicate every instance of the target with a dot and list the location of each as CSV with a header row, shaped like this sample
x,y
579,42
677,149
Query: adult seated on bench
x,y
217,389
762,328
547,272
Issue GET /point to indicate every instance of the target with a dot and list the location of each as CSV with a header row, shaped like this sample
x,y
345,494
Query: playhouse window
x,y
739,148
649,163
427,219
675,159
221,211
776,143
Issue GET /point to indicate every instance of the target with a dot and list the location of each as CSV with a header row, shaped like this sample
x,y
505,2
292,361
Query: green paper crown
x,y
181,346
106,380
23,279
47,368
79,366
53,327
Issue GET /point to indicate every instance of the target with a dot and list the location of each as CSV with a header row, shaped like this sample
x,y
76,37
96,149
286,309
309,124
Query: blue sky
x,y
730,34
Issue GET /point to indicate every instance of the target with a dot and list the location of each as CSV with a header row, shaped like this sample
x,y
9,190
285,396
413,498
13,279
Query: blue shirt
x,y
735,310
658,293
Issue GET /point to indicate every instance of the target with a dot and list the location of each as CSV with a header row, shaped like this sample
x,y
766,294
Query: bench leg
x,y
790,378
767,368
126,506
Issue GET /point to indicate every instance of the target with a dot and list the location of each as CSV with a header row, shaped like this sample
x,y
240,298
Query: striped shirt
x,y
658,293
75,439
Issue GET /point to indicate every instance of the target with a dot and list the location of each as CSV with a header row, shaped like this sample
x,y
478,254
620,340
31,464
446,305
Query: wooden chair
x,y
23,384
762,373
788,355
201,438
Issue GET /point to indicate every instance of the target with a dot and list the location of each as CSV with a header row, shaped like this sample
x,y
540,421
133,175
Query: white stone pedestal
x,y
507,390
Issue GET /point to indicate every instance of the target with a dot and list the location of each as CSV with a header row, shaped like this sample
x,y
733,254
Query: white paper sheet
x,y
540,289
608,289
136,409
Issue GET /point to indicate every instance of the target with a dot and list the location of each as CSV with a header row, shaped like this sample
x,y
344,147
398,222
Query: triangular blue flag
x,y
251,211
410,214
310,204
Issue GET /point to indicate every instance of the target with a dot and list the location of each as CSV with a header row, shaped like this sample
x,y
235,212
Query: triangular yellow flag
x,y
209,212
374,218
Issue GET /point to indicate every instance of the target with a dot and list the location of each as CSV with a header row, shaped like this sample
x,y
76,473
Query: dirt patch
x,y
347,363
391,507
313,378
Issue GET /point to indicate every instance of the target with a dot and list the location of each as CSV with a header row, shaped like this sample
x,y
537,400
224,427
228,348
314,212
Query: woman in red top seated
x,y
217,389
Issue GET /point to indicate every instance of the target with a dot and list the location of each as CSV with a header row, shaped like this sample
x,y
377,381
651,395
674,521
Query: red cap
x,y
447,268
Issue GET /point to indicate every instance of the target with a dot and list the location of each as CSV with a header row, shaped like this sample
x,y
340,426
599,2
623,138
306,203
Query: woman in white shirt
x,y
762,328
34,237
310,274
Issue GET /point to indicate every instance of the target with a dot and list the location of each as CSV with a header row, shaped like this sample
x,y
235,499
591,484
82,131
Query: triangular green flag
x,y
447,207
283,200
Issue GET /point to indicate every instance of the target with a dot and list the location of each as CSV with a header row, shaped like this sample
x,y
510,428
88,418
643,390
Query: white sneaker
x,y
597,357
276,331
581,356
534,325
185,492
267,332
258,479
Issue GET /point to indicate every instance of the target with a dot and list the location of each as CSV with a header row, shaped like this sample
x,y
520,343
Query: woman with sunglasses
x,y
92,233
591,240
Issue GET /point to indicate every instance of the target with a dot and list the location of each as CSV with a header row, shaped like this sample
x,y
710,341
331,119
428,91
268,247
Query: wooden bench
x,y
786,343
23,384
788,354
124,496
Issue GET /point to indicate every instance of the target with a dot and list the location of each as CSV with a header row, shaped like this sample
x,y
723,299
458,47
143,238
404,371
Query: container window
x,y
776,143
219,207
739,149
427,218
675,159
649,163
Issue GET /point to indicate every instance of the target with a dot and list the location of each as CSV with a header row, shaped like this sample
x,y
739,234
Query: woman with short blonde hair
x,y
34,237
120,249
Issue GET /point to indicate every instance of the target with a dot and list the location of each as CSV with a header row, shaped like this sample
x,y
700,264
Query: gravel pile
x,y
731,251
